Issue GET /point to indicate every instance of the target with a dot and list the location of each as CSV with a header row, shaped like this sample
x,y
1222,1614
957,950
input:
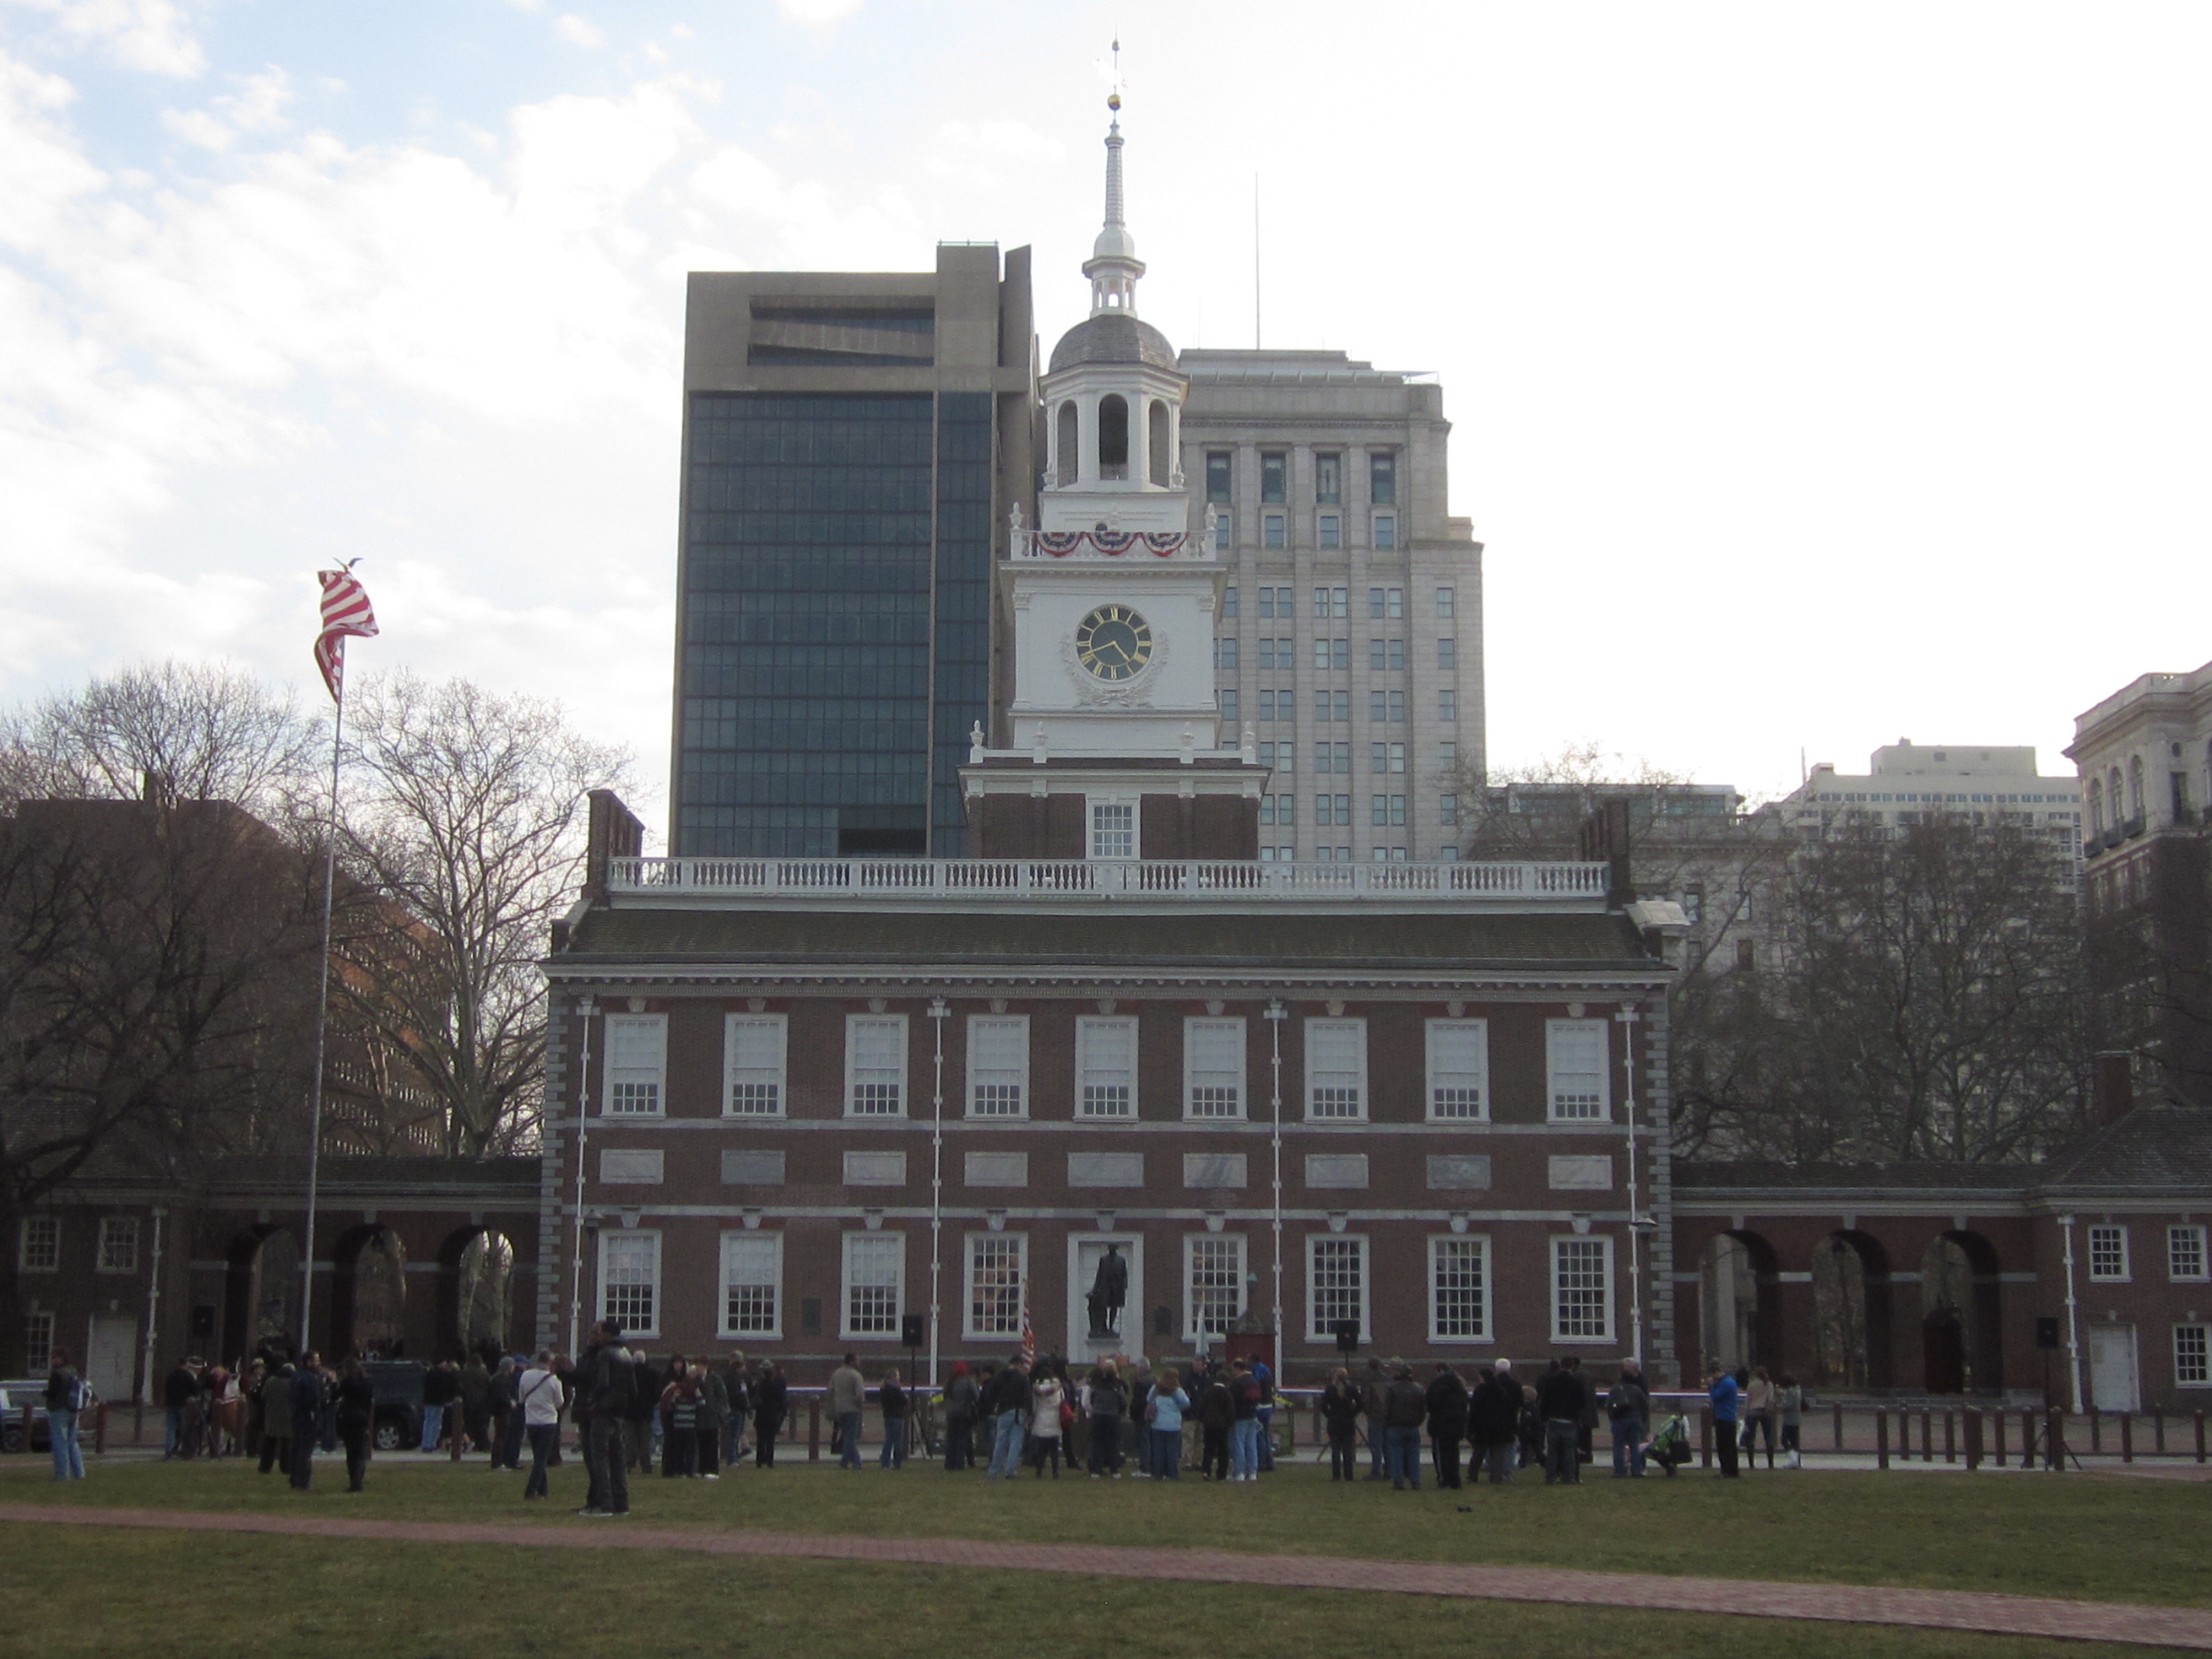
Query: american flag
x,y
1029,1336
345,610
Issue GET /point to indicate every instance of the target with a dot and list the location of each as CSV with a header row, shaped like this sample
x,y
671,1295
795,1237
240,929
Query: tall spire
x,y
1114,266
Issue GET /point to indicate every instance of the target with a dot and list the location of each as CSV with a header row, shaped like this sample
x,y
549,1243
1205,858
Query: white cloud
x,y
259,108
818,14
578,33
141,34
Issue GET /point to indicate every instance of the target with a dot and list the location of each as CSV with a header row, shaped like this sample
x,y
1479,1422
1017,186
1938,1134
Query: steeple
x,y
1114,266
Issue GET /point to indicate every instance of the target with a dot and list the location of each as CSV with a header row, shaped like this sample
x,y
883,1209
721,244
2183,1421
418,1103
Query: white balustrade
x,y
1198,880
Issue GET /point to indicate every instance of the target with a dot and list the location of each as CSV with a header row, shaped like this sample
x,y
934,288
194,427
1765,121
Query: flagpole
x,y
322,1011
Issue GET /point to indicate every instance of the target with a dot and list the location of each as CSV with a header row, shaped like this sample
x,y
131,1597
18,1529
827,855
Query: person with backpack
x,y
1244,1426
1494,1421
441,1386
1628,1411
892,1398
1406,1406
1106,1403
67,1396
1007,1404
606,1392
680,1402
537,1397
1217,1421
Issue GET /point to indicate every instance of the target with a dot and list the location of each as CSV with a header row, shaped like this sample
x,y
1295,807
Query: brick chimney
x,y
2113,1083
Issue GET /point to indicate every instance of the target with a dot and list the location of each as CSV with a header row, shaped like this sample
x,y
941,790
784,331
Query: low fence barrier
x,y
1882,1433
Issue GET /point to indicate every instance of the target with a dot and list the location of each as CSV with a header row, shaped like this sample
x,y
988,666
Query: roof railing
x,y
1170,880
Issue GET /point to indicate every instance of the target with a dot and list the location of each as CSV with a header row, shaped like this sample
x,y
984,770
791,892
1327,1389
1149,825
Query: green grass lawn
x,y
2085,1537
180,1595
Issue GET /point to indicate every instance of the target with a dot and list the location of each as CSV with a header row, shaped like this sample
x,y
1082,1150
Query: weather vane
x,y
1111,73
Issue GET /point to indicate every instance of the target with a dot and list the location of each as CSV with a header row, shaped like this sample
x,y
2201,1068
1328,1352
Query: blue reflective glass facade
x,y
836,576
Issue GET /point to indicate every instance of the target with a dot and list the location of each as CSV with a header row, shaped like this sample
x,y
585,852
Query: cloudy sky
x,y
1820,375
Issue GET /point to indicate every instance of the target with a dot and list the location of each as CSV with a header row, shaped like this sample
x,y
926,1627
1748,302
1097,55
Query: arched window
x,y
1067,448
2134,787
2096,807
1113,437
2114,799
1158,437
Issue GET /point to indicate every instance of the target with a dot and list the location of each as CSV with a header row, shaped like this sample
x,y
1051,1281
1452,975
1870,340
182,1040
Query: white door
x,y
110,1356
2112,1367
1085,1252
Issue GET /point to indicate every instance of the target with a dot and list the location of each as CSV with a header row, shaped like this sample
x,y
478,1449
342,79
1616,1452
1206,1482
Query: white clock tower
x,y
1114,598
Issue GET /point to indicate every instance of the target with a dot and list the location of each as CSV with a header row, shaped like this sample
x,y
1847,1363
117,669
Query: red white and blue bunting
x,y
1059,543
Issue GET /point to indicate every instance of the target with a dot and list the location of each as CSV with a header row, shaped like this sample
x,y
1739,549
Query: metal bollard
x,y
1999,1417
2127,1437
1839,1425
1927,1437
1973,1416
1882,1437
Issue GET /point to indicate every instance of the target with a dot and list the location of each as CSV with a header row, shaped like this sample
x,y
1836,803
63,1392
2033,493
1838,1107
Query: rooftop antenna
x,y
1256,262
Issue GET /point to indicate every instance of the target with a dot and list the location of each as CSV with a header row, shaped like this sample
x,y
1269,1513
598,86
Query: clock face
x,y
1114,642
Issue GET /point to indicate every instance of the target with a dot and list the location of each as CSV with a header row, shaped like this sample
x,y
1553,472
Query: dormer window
x,y
1113,437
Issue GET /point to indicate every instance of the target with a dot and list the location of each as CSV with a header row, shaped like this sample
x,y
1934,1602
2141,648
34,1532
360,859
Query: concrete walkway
x,y
2187,1628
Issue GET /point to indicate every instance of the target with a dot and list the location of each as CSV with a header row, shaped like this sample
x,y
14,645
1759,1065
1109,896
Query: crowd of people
x,y
694,1416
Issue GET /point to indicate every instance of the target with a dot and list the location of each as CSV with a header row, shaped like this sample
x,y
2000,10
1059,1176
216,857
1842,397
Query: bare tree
x,y
197,731
467,809
1924,1000
154,998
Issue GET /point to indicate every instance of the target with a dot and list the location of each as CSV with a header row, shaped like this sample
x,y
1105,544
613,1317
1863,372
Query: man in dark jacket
x,y
1494,1420
1628,1410
180,1392
440,1388
1405,1407
307,1395
1559,1401
1448,1416
606,1393
770,1402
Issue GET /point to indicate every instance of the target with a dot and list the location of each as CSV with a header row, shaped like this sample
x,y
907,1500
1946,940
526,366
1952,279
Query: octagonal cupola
x,y
1113,395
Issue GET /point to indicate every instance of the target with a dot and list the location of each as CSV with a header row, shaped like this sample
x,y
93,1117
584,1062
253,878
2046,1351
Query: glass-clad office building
x,y
835,602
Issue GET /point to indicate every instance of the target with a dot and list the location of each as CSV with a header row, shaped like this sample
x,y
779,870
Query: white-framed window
x,y
1575,1070
755,1049
38,1342
637,1064
1582,1290
118,1244
1336,1284
1113,830
1213,1069
998,1066
1459,1070
875,1065
875,1283
38,1245
629,1281
1336,1070
998,1273
1106,1067
2184,1253
1459,1288
2192,1356
753,1284
1213,1283
2108,1252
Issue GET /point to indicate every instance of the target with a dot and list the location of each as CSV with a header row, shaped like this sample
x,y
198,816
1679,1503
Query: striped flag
x,y
1029,1336
345,610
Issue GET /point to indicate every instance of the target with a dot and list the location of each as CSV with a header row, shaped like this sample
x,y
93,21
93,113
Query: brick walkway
x,y
2008,1615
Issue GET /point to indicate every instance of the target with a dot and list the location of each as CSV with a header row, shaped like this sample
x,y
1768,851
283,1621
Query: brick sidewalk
x,y
2006,1615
